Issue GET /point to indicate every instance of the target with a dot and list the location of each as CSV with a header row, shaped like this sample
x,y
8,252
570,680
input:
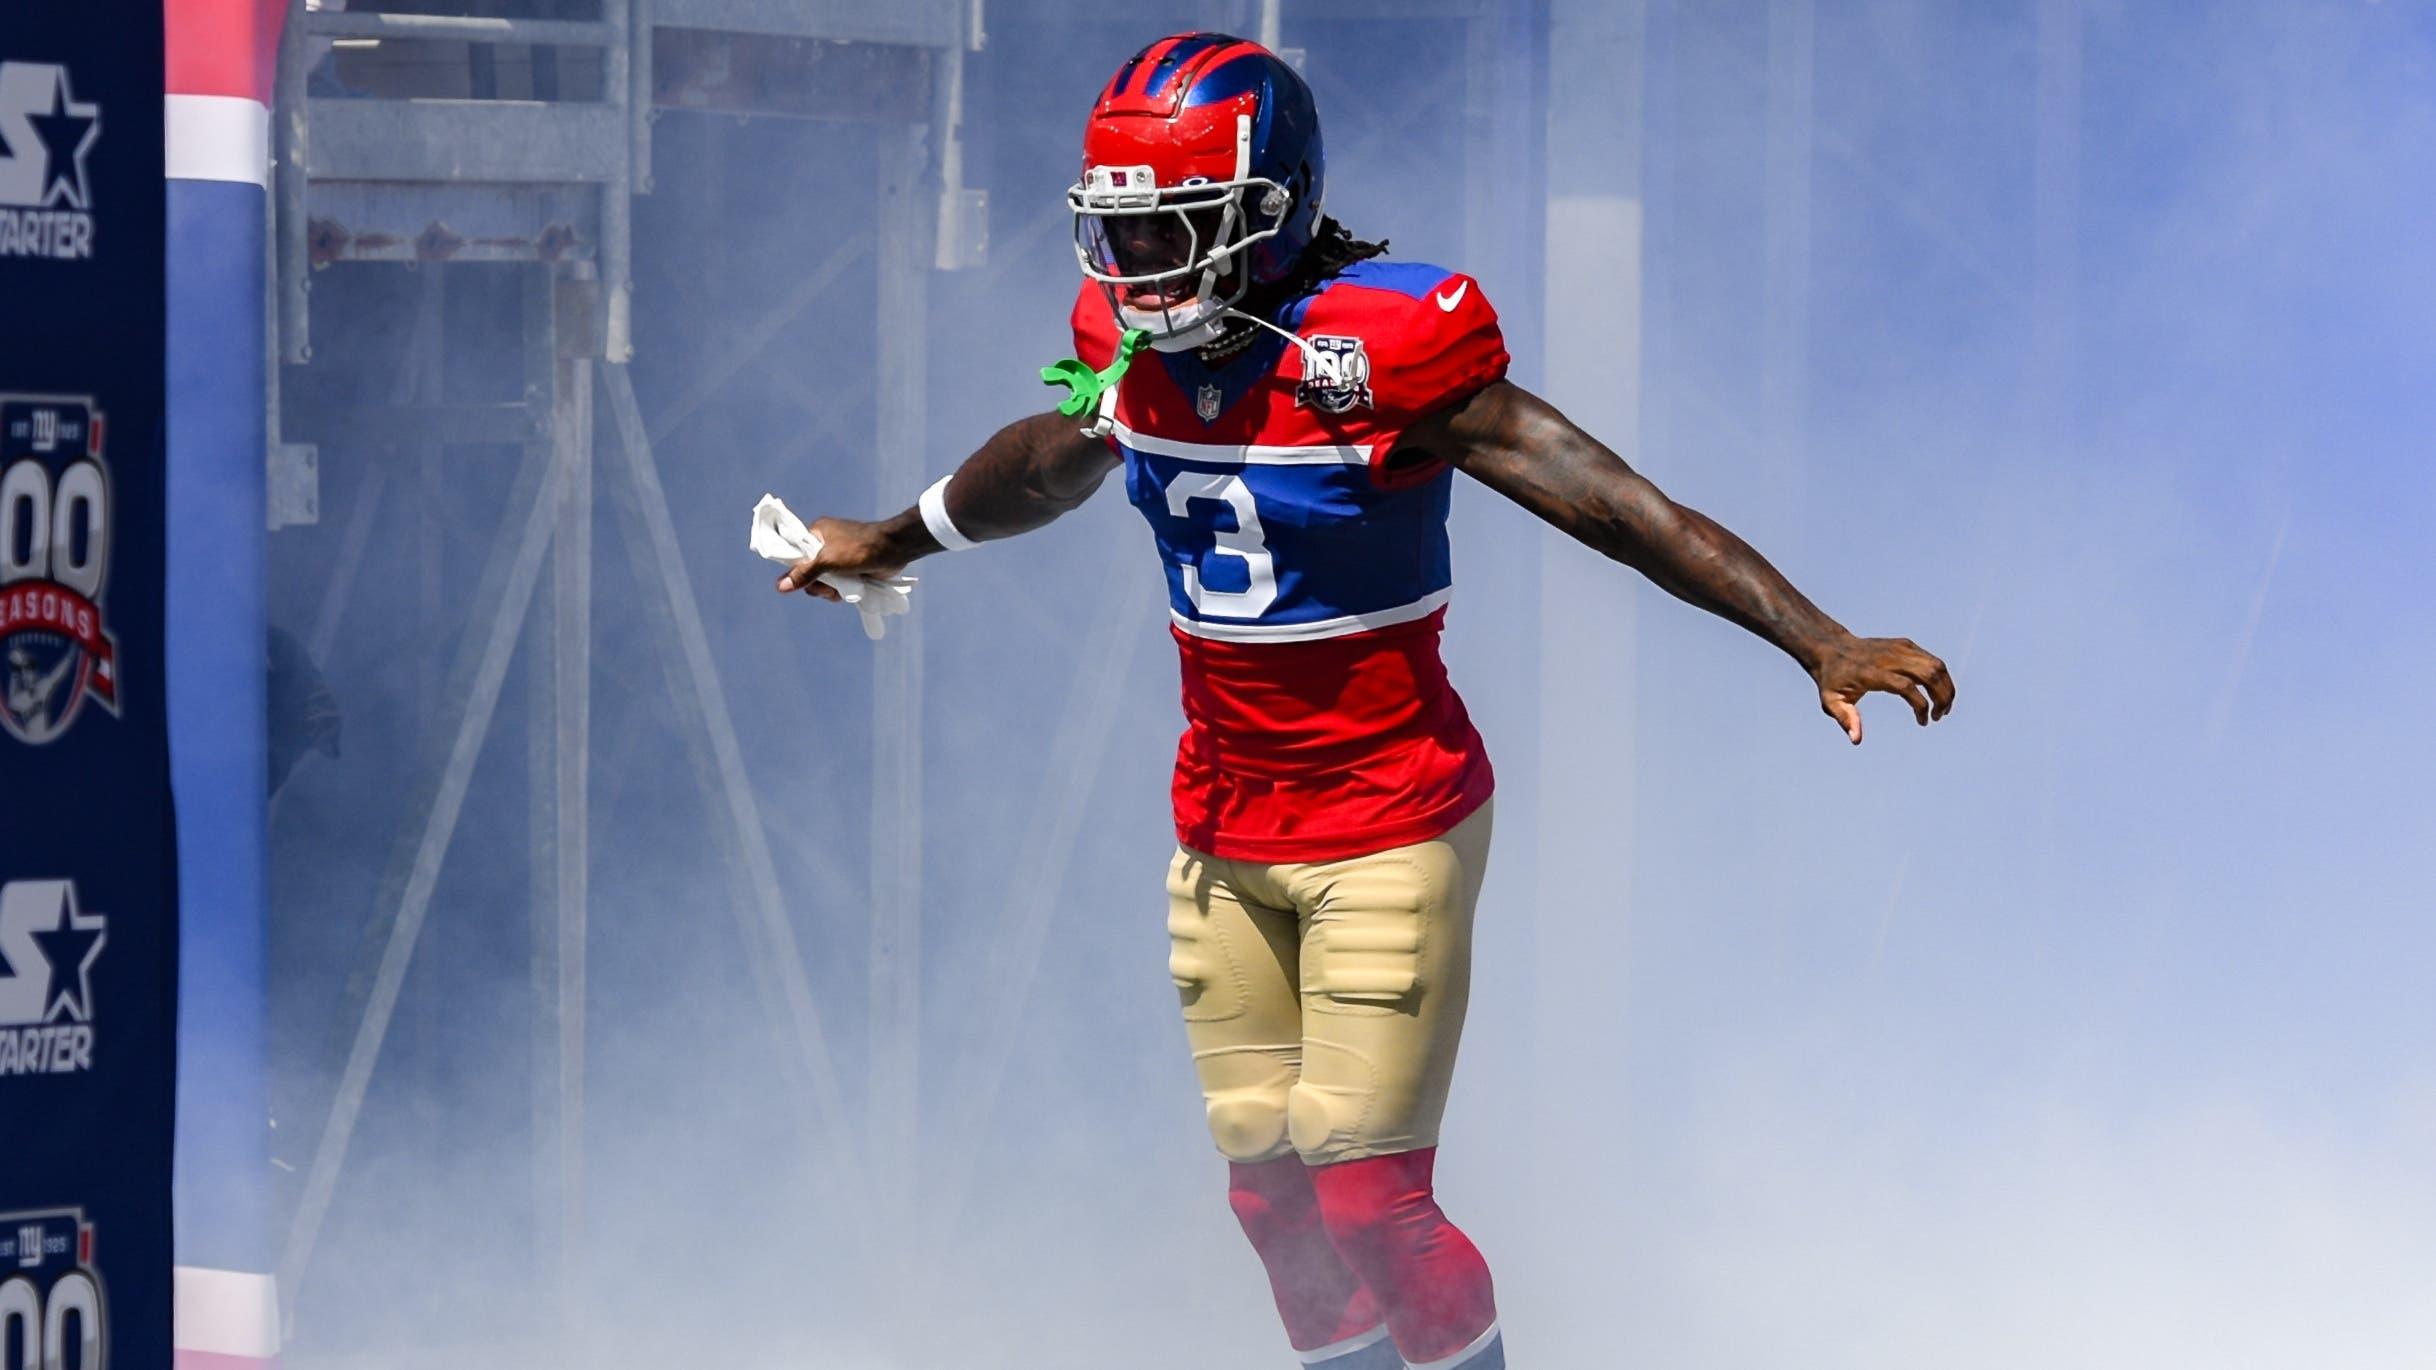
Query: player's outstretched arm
x,y
1028,473
1519,445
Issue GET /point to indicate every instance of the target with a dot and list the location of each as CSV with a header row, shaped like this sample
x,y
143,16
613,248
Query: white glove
x,y
782,537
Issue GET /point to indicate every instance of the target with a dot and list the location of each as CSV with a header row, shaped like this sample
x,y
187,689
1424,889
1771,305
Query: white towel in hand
x,y
782,537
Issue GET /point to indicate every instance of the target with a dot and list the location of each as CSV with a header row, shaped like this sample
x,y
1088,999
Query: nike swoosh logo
x,y
1448,302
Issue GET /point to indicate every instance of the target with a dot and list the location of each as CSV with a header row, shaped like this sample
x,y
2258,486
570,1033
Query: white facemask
x,y
1194,323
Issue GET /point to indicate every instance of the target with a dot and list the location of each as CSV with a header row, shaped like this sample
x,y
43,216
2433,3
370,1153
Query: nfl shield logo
x,y
1207,402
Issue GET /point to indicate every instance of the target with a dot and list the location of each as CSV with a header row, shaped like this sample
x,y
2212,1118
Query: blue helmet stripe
x,y
1233,78
1186,48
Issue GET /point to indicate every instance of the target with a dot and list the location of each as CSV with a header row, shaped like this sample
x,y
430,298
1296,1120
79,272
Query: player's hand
x,y
1895,665
849,547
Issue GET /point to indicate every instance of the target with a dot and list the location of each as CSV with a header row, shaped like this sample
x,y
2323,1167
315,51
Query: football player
x,y
1292,434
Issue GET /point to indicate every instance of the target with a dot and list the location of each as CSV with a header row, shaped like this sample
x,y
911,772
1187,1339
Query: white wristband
x,y
934,517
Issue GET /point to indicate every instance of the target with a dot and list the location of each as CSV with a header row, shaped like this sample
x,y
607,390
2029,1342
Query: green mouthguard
x,y
1084,385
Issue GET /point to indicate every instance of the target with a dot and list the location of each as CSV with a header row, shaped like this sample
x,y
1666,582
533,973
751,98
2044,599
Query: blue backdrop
x,y
88,880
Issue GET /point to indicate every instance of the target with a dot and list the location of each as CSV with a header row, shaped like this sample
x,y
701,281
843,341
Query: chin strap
x,y
1309,352
1094,391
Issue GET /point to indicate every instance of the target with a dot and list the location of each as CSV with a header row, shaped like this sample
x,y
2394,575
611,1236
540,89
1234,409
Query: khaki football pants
x,y
1324,1000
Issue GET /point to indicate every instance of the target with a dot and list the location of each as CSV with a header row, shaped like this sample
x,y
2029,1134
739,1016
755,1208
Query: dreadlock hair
x,y
1333,248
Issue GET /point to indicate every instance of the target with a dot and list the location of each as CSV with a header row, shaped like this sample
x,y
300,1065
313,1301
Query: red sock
x,y
1429,1278
1320,1301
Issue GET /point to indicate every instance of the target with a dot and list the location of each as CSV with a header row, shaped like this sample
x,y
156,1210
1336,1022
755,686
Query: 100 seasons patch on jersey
x,y
1336,375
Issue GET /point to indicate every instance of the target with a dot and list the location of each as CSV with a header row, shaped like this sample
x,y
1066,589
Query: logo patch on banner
x,y
47,950
56,647
50,1287
45,132
1336,375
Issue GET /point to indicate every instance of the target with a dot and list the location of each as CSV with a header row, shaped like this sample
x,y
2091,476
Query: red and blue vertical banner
x,y
221,57
88,871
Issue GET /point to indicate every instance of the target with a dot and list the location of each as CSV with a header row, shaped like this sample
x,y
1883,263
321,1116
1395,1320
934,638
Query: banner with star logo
x,y
88,868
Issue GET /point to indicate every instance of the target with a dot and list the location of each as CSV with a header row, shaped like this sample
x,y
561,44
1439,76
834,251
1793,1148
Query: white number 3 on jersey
x,y
1243,540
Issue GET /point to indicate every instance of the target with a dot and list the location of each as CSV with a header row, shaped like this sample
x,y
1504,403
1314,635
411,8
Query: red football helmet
x,y
1202,175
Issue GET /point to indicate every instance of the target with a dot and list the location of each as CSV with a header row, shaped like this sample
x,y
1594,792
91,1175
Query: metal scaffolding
x,y
433,179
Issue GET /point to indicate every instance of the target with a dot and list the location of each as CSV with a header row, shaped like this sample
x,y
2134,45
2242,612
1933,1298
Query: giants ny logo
x,y
56,647
52,1308
47,950
45,201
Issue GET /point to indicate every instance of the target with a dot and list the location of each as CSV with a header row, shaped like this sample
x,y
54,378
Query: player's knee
x,y
1318,1123
1249,1124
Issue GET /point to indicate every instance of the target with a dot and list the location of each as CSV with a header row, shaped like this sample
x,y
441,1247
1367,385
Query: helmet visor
x,y
1146,246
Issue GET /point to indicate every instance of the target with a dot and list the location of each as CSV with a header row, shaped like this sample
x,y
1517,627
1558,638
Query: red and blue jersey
x,y
1308,572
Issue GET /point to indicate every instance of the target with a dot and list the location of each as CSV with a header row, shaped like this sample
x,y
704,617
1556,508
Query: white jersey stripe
x,y
1256,455
1307,632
